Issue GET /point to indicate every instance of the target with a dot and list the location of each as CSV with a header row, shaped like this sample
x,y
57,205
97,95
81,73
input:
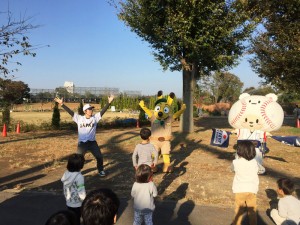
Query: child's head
x,y
246,150
75,162
143,173
286,185
145,133
64,217
100,207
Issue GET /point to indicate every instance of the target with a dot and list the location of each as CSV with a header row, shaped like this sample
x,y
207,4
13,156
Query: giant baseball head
x,y
256,112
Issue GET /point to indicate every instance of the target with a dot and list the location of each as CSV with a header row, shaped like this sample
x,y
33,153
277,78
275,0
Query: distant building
x,y
69,86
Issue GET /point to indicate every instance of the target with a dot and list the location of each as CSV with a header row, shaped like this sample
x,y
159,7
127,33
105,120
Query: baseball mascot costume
x,y
161,119
253,117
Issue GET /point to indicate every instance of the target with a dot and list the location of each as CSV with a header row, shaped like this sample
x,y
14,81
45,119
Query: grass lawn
x,y
39,117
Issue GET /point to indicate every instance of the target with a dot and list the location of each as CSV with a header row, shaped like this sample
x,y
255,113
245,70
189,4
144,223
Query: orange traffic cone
x,y
298,123
137,123
18,128
4,132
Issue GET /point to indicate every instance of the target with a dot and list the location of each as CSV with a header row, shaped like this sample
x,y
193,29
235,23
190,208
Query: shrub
x,y
80,109
142,115
29,127
6,116
55,117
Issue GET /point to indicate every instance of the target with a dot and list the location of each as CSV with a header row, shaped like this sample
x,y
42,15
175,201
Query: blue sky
x,y
92,48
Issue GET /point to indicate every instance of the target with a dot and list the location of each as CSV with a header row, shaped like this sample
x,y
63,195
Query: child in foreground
x,y
73,182
288,212
245,182
143,193
63,217
144,151
100,207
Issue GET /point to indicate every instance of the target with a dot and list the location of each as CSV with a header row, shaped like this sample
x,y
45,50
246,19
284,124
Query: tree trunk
x,y
188,81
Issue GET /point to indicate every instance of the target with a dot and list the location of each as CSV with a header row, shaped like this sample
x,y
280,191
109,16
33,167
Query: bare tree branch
x,y
14,40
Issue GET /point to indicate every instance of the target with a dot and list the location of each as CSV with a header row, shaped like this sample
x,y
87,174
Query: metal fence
x,y
75,94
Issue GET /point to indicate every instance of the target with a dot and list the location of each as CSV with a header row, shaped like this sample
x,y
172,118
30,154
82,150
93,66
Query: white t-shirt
x,y
86,126
289,208
246,176
246,134
143,195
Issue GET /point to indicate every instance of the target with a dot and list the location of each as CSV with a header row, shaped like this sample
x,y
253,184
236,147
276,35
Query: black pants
x,y
77,211
93,147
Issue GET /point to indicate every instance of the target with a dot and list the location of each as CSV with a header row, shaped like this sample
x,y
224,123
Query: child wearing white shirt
x,y
143,192
245,182
288,211
73,184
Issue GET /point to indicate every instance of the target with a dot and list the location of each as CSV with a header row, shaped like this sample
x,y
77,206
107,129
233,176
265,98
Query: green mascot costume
x,y
161,119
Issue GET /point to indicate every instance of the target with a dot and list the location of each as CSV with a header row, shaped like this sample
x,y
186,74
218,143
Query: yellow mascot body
x,y
161,119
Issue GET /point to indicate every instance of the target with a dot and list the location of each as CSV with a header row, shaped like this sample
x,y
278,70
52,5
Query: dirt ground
x,y
35,161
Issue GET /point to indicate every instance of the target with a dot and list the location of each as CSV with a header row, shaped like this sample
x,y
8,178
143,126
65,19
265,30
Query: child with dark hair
x,y
73,182
245,182
100,207
288,212
63,217
143,193
144,151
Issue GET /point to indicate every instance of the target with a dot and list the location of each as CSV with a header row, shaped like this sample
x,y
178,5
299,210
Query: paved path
x,y
32,208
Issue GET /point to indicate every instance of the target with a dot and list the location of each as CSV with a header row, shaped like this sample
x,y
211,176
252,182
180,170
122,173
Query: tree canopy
x,y
196,37
183,32
13,91
261,90
277,48
223,86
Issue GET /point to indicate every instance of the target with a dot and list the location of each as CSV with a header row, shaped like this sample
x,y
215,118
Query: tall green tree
x,y
11,92
192,36
62,92
89,95
277,47
223,86
261,90
202,95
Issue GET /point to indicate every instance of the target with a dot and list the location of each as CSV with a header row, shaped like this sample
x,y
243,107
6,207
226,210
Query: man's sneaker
x,y
102,173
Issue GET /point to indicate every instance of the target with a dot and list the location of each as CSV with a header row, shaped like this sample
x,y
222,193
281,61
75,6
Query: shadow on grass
x,y
33,136
207,123
120,172
10,181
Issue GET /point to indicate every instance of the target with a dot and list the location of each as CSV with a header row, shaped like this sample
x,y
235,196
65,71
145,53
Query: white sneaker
x,y
261,170
102,174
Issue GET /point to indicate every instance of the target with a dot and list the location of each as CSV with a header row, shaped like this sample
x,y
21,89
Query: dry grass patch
x,y
37,160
